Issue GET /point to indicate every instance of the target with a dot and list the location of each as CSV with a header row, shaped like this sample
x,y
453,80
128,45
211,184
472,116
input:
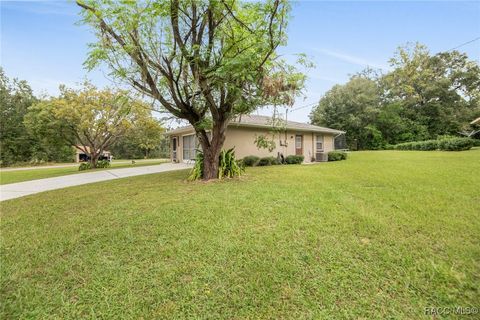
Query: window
x,y
298,142
189,146
319,143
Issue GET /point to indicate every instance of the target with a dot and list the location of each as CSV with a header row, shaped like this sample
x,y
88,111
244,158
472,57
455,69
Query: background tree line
x,y
44,129
423,96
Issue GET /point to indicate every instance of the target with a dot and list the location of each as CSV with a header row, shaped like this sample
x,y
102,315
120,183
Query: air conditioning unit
x,y
321,157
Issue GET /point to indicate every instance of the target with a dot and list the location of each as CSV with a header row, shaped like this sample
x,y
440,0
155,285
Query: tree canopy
x,y
90,118
422,97
19,141
142,140
15,98
202,61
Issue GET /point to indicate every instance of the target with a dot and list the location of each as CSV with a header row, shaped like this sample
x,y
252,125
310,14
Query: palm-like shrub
x,y
197,170
228,166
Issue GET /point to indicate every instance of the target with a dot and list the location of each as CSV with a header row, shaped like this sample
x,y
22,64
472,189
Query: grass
x,y
7,177
381,235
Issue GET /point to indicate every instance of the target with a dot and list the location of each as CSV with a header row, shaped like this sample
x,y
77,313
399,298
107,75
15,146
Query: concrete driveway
x,y
75,164
21,189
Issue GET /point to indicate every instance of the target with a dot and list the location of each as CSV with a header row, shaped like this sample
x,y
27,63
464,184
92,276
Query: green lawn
x,y
25,175
381,235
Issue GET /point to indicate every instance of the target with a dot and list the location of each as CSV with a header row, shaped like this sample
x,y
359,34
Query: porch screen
x,y
189,146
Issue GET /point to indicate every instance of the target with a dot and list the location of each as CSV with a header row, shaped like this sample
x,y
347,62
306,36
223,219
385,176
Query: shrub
x,y
197,170
251,161
389,146
85,166
228,166
455,144
293,159
337,155
267,161
427,145
103,164
446,143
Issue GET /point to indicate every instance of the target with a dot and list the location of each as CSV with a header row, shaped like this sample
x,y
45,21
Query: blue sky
x,y
41,43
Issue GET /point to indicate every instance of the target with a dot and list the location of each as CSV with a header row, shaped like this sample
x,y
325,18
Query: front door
x,y
299,145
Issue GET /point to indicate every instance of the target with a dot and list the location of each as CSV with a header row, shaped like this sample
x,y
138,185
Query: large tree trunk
x,y
211,149
94,155
94,159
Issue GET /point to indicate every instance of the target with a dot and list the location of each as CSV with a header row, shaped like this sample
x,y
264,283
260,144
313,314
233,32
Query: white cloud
x,y
351,59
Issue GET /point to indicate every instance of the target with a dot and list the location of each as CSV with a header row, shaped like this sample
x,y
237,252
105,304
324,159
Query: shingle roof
x,y
266,122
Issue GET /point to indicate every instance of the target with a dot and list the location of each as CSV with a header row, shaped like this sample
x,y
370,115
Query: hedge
x,y
251,161
268,161
337,155
456,144
291,159
445,144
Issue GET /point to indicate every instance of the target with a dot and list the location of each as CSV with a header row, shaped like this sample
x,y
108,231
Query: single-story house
x,y
295,138
81,156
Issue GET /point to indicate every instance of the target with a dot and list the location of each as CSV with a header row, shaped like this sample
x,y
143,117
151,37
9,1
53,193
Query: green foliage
x,y
268,161
228,166
95,118
427,145
422,97
351,107
15,99
197,170
294,159
455,144
103,164
444,144
262,142
389,147
22,138
144,139
202,61
251,161
85,166
337,155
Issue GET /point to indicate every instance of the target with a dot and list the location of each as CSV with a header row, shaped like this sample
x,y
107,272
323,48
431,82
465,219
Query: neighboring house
x,y
81,156
296,138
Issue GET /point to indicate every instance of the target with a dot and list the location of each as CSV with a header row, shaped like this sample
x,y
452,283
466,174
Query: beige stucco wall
x,y
243,139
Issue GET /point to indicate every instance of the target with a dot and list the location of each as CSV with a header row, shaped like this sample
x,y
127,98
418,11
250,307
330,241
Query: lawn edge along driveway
x,y
21,189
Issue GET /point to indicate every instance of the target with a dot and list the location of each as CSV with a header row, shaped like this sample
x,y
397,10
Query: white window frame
x,y
322,141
